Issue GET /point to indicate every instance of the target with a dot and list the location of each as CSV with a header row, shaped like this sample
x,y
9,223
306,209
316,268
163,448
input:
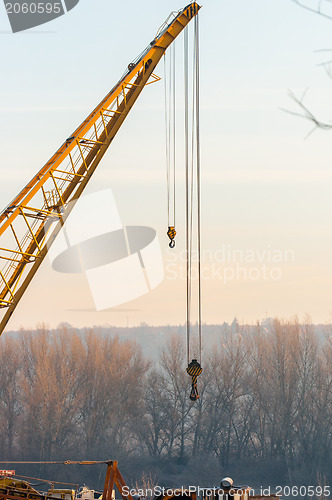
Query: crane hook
x,y
171,233
194,370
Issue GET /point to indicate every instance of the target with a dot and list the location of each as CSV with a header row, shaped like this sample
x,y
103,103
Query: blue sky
x,y
264,186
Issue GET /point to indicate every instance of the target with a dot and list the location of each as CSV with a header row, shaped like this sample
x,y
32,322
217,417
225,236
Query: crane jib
x,y
26,222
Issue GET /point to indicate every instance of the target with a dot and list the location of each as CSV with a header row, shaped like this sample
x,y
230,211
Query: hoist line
x,y
170,128
198,166
174,128
166,135
168,118
186,97
193,196
192,178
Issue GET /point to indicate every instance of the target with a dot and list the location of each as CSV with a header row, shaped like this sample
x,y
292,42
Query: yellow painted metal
x,y
51,194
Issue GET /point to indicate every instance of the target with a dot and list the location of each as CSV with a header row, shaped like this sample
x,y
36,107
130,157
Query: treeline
x,y
266,403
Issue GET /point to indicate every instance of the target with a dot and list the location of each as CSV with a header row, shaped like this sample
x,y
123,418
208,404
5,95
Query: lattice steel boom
x,y
25,223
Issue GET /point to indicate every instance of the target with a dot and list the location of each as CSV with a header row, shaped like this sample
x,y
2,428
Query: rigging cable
x,y
186,121
170,126
192,162
198,171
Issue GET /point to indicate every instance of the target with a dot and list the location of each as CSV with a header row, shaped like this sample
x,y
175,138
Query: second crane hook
x,y
171,233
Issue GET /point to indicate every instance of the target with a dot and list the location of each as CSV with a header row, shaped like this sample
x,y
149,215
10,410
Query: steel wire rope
x,y
193,192
192,178
167,134
174,129
170,132
186,119
198,171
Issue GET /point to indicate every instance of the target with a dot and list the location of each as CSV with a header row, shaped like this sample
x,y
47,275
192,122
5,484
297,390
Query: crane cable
x,y
193,196
170,126
192,179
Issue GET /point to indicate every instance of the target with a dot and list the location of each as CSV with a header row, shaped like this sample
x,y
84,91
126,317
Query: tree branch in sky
x,y
321,7
306,113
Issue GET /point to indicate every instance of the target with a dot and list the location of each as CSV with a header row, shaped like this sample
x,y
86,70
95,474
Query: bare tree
x,y
177,405
225,394
265,393
112,394
10,404
50,386
151,428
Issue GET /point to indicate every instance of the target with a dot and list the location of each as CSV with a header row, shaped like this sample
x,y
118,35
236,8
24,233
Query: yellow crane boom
x,y
25,223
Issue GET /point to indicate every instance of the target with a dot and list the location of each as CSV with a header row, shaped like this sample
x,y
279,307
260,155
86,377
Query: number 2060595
x,y
34,8
303,491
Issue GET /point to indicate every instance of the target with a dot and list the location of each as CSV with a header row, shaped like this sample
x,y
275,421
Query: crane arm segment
x,y
49,197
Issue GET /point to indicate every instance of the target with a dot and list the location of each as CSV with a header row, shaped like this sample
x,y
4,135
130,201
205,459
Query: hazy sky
x,y
266,199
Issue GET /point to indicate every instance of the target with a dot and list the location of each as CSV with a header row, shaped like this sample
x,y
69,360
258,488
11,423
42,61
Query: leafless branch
x,y
316,10
306,113
327,65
